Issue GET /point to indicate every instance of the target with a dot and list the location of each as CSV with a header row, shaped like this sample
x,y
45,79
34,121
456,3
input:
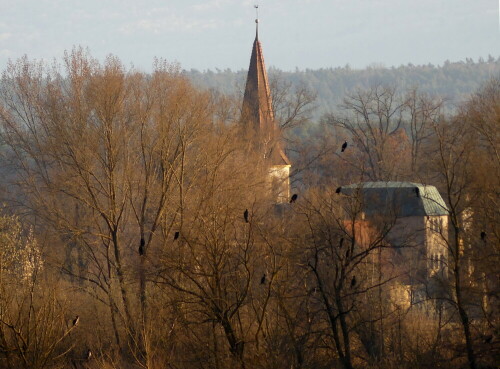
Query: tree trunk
x,y
464,317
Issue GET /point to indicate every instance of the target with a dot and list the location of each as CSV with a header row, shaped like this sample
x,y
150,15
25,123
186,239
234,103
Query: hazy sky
x,y
219,33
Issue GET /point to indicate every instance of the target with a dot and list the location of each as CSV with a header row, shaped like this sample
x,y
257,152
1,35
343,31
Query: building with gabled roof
x,y
402,199
260,126
415,218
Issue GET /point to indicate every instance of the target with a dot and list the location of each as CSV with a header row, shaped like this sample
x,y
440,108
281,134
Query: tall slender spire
x,y
259,125
257,110
257,103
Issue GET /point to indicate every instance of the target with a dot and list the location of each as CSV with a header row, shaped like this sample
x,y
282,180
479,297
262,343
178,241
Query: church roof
x,y
399,198
257,107
257,103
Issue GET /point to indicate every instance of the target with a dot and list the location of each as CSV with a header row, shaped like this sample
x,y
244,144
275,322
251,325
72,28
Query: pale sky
x,y
214,34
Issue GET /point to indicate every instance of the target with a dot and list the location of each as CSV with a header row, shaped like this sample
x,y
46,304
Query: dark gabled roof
x,y
398,198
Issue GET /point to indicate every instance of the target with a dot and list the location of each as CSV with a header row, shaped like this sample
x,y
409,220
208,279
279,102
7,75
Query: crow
x,y
353,281
141,247
417,191
76,320
341,242
245,215
338,190
483,235
344,146
176,235
263,279
294,198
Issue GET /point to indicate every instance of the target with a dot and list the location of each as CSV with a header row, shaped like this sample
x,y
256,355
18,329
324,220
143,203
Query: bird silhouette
x,y
417,191
176,235
344,146
245,215
341,242
353,281
483,235
141,247
263,279
338,190
294,198
76,320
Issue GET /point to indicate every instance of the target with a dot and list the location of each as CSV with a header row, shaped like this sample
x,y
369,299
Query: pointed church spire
x,y
257,110
257,103
257,118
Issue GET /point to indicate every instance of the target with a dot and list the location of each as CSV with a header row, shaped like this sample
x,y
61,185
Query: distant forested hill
x,y
453,80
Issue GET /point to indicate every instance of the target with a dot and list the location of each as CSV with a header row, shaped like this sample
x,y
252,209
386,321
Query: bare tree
x,y
386,131
34,329
340,249
101,156
292,104
422,112
216,266
453,161
465,163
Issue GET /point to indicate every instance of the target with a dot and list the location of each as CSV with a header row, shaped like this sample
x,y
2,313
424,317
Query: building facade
x,y
414,221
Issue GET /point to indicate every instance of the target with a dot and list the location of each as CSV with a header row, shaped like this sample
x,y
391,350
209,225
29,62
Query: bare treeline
x,y
125,243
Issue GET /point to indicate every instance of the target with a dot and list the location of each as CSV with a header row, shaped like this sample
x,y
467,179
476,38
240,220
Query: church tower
x,y
260,125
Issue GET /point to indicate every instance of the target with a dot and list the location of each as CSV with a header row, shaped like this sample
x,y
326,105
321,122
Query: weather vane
x,y
256,6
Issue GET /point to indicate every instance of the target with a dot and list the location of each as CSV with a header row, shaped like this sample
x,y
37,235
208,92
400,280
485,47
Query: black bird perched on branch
x,y
294,198
341,242
176,235
417,191
353,281
141,247
344,146
338,190
263,279
245,215
76,320
483,235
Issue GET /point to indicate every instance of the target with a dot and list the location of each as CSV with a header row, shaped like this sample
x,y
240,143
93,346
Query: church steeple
x,y
257,110
258,121
257,103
